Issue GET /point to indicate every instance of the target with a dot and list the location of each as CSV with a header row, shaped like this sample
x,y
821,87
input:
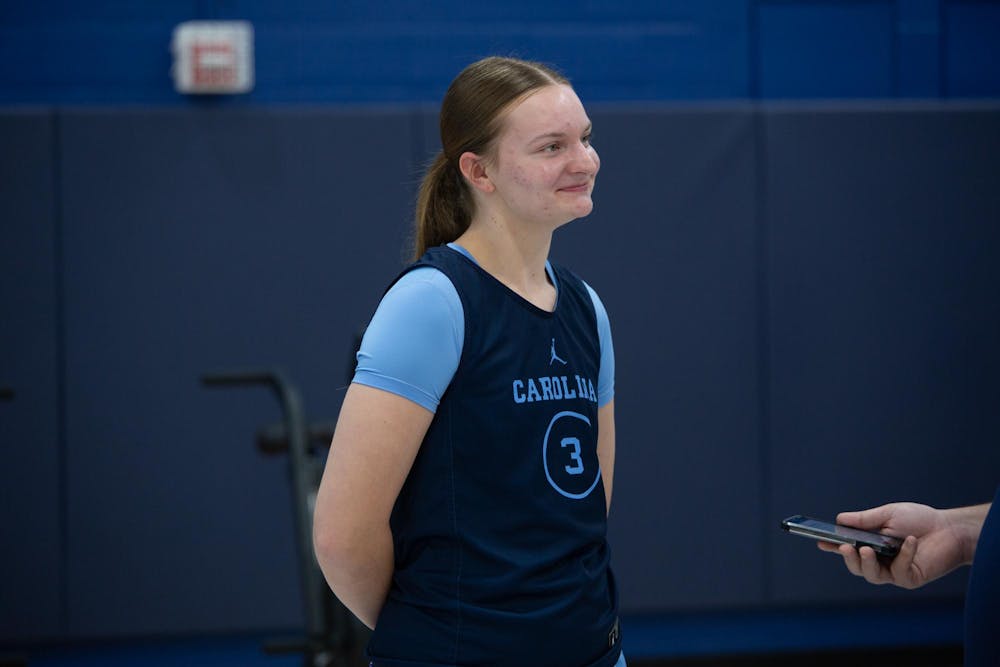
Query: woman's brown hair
x,y
470,121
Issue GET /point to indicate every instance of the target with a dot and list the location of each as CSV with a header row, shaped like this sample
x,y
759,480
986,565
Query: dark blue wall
x,y
803,304
32,481
108,52
883,323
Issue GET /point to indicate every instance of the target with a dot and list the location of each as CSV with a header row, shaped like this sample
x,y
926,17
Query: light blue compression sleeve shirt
x,y
414,341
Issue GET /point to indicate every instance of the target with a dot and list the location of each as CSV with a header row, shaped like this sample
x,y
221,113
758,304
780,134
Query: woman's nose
x,y
585,159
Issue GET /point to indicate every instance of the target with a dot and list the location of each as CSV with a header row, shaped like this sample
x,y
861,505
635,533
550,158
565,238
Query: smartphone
x,y
884,545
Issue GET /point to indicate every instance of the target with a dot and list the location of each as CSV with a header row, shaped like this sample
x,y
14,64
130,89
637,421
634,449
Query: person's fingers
x,y
828,546
870,519
903,572
851,559
871,569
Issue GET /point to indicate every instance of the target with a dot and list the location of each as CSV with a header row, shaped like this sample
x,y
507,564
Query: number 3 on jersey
x,y
574,455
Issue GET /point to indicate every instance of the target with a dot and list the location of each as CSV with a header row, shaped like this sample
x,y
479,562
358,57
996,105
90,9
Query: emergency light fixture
x,y
213,57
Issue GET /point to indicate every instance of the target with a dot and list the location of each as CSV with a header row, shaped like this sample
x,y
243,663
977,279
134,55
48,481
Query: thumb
x,y
871,519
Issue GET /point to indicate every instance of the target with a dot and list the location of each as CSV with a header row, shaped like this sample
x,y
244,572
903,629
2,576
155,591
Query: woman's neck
x,y
515,257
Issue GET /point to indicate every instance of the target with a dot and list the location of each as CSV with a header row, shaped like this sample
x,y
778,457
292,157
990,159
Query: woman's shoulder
x,y
423,288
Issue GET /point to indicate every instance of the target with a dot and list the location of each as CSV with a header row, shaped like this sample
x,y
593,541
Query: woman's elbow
x,y
325,544
331,543
339,547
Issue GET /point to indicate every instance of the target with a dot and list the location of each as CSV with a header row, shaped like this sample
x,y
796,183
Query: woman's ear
x,y
473,168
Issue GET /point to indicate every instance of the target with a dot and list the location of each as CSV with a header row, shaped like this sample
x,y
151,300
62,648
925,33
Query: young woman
x,y
463,509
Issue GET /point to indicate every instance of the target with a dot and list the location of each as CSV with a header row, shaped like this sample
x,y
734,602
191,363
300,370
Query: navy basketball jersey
x,y
501,555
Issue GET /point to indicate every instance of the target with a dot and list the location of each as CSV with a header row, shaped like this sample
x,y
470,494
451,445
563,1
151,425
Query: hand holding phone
x,y
884,545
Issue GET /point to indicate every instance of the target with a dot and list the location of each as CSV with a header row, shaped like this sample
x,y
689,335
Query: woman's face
x,y
544,166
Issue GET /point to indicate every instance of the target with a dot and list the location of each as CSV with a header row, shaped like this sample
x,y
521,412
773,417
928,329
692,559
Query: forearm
x,y
359,572
606,449
966,524
377,438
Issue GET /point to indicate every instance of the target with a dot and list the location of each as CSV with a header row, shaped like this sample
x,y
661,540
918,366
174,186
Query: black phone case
x,y
791,525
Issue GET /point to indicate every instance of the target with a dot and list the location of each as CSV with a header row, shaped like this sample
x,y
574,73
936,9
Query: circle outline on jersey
x,y
545,460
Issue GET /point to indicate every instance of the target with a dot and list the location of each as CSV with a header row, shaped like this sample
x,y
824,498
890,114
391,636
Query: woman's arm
x,y
375,443
606,447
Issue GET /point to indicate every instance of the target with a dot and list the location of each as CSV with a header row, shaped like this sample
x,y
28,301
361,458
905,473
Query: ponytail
x,y
444,208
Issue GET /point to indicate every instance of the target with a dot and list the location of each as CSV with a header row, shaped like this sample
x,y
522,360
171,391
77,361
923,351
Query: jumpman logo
x,y
556,357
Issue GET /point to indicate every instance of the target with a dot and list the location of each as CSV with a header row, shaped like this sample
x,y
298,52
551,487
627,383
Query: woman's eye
x,y
551,148
586,140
